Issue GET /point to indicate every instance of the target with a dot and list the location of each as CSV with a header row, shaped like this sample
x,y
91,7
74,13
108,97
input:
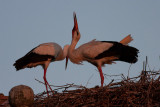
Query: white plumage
x,y
87,49
48,49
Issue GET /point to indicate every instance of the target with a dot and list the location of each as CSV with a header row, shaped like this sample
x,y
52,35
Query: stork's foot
x,y
101,85
51,91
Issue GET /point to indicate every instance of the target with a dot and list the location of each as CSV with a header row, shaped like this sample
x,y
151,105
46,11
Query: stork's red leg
x,y
49,86
46,82
101,75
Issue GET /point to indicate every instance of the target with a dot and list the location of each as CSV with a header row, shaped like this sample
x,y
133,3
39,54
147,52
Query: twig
x,y
128,71
89,80
65,87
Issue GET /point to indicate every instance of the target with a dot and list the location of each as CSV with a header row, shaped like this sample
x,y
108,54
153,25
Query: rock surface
x,y
21,96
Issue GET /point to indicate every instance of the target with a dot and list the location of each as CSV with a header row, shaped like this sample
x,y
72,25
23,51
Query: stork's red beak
x,y
75,21
75,28
66,62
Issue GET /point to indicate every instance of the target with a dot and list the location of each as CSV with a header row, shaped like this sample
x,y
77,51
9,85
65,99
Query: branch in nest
x,y
65,87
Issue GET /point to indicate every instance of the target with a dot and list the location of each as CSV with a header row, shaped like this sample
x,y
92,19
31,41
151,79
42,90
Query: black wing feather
x,y
31,57
123,52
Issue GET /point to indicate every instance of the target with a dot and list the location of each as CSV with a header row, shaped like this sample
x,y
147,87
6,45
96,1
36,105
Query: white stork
x,y
42,55
99,53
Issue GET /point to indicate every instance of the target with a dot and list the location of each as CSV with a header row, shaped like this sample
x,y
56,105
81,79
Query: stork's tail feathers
x,y
126,40
129,54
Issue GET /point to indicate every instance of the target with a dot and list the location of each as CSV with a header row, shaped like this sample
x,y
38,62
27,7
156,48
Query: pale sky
x,y
24,24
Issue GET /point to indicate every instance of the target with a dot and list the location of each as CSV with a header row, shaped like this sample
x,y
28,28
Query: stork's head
x,y
75,31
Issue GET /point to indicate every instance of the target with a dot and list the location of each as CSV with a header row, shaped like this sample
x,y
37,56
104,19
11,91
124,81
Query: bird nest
x,y
143,90
130,92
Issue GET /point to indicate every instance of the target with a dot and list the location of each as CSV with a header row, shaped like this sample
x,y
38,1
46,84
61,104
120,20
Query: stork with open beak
x,y
99,53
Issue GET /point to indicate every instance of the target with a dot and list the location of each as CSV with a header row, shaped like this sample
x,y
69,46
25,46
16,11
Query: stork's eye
x,y
77,33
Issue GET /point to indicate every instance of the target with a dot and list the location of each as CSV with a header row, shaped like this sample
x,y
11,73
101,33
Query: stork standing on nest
x,y
99,53
42,55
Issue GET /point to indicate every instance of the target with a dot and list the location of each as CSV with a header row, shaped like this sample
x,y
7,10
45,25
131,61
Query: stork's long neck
x,y
64,53
74,54
72,46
